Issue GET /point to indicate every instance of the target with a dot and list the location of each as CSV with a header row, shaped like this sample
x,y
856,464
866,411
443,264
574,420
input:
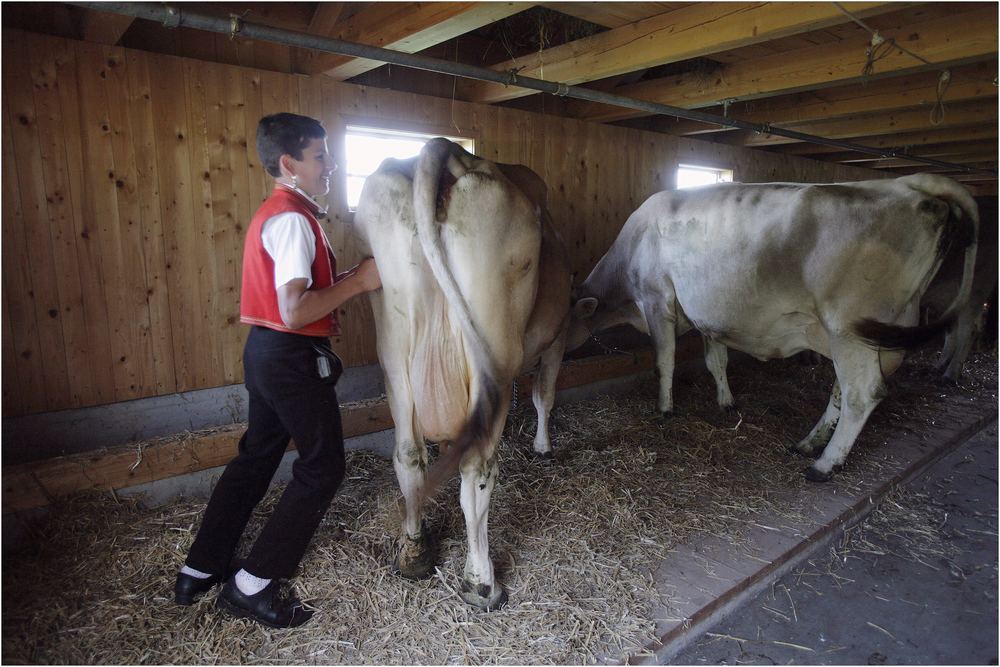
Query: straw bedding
x,y
574,540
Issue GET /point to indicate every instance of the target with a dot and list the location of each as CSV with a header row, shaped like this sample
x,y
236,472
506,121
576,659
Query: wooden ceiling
x,y
795,65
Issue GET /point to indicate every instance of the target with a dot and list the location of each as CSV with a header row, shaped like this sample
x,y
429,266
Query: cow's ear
x,y
584,307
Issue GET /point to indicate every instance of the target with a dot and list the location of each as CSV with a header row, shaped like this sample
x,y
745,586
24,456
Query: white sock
x,y
197,574
249,584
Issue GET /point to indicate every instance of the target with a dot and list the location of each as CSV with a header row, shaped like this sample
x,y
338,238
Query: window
x,y
366,147
690,176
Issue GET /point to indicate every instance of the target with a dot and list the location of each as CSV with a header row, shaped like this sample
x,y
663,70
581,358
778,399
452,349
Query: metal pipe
x,y
174,16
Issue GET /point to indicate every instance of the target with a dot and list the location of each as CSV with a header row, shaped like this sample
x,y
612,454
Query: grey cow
x,y
776,268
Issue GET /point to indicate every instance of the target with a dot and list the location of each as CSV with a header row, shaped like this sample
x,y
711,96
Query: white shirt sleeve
x,y
289,240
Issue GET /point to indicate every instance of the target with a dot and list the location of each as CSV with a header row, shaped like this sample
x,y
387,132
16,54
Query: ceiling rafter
x,y
934,150
323,22
694,31
408,27
905,92
897,122
961,158
613,14
962,38
103,27
926,137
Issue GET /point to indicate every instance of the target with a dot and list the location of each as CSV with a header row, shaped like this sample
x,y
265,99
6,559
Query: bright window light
x,y
691,176
367,147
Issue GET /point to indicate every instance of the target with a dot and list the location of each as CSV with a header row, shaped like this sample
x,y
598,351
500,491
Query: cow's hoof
x,y
415,559
487,598
544,457
814,475
730,409
667,414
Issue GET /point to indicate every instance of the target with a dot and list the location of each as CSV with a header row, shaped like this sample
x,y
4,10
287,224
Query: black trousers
x,y
288,398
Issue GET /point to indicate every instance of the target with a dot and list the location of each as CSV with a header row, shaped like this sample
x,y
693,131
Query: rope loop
x,y
174,20
235,26
937,113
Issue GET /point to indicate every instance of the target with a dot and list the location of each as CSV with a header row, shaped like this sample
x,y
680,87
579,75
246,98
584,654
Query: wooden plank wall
x,y
129,178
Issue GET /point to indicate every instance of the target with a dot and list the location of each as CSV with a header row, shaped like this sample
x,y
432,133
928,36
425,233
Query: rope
x,y
881,47
937,113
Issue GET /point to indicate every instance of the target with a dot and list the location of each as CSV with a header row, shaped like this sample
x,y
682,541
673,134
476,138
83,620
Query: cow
x,y
777,268
476,289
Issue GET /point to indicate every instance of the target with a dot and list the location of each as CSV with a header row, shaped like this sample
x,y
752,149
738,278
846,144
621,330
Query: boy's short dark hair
x,y
283,133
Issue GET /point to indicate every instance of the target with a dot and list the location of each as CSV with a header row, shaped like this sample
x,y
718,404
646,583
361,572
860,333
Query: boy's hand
x,y
366,273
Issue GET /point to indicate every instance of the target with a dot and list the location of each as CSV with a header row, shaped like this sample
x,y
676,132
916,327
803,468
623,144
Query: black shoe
x,y
267,607
188,588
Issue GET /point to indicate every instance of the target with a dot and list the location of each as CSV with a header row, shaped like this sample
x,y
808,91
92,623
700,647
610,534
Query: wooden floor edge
x,y
678,639
38,483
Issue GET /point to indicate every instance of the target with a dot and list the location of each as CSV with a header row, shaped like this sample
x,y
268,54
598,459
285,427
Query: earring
x,y
295,181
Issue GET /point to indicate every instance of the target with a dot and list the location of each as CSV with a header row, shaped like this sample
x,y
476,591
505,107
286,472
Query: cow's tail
x,y
437,156
960,231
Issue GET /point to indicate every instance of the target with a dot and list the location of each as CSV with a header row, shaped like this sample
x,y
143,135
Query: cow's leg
x,y
415,557
662,322
543,394
860,371
479,474
716,358
821,433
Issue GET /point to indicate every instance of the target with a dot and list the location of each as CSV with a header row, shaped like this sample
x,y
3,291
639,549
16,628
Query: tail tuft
x,y
895,337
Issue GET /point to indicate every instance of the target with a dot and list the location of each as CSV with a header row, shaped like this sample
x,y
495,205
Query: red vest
x,y
259,298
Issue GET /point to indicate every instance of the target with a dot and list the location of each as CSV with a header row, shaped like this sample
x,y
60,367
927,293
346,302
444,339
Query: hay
x,y
574,540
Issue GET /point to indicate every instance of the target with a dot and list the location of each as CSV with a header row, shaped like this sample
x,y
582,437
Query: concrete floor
x,y
914,583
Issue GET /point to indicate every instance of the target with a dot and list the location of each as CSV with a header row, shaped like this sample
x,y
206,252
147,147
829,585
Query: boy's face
x,y
314,170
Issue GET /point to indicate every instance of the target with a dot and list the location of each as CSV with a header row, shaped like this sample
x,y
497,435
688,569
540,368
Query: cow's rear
x,y
458,247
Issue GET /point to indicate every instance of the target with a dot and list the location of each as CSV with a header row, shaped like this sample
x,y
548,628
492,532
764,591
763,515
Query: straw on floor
x,y
574,540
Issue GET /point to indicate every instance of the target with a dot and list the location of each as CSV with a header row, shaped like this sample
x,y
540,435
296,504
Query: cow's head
x,y
589,316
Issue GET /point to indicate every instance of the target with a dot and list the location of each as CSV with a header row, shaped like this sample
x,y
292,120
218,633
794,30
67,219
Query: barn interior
x,y
130,176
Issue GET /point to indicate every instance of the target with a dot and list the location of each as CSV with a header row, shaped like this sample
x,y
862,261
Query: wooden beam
x,y
916,91
694,31
984,189
973,178
323,23
613,14
970,113
939,151
325,18
961,158
911,139
36,484
405,26
965,37
103,27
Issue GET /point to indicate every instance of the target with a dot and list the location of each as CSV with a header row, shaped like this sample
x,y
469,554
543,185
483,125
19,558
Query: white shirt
x,y
289,240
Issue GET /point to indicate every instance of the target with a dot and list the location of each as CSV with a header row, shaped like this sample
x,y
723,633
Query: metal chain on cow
x,y
514,402
880,47
611,349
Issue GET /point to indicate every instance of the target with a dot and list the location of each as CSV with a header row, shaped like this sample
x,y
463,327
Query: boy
x,y
290,294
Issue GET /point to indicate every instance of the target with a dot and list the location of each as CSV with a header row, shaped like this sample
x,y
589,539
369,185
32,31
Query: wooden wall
x,y
129,178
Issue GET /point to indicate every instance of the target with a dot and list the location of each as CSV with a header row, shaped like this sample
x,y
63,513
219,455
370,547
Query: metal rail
x,y
175,16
